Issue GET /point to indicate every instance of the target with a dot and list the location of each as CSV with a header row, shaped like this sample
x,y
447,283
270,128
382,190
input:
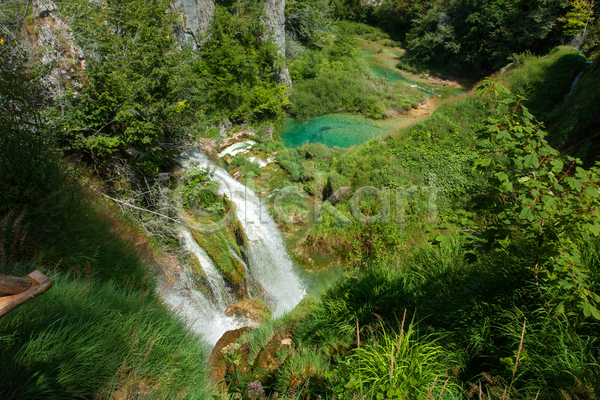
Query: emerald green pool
x,y
342,130
345,130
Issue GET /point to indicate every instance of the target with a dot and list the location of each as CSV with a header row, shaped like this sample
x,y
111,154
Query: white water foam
x,y
201,315
237,148
260,162
269,261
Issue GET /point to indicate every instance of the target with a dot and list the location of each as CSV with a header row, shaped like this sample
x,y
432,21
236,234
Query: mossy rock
x,y
217,245
252,309
191,264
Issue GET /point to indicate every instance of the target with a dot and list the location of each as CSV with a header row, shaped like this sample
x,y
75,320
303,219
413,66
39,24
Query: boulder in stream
x,y
218,365
254,310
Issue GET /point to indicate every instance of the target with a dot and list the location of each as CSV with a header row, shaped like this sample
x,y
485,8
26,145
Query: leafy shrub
x,y
406,66
244,165
520,59
199,190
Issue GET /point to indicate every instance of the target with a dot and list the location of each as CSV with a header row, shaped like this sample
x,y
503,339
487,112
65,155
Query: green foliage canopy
x,y
130,101
30,169
237,67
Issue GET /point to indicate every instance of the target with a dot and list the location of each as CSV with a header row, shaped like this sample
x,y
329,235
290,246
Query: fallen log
x,y
38,284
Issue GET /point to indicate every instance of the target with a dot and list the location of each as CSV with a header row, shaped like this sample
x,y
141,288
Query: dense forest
x,y
464,234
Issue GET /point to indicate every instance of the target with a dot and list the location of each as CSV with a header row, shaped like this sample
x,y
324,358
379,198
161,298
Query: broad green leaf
x,y
594,228
531,160
502,176
590,310
526,113
526,213
591,192
503,135
549,202
484,162
575,184
581,174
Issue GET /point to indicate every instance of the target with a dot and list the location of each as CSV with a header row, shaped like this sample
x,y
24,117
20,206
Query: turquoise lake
x,y
342,130
345,130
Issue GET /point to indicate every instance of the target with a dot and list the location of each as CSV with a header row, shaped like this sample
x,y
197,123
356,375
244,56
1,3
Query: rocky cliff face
x,y
196,16
54,42
275,22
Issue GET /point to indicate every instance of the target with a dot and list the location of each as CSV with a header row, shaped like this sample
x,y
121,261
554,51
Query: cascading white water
x,y
269,263
268,259
202,315
215,280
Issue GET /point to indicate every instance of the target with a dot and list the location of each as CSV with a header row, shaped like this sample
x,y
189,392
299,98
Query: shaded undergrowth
x,y
83,340
464,323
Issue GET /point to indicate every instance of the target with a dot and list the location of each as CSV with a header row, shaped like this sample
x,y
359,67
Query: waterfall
x,y
215,280
269,264
202,315
506,68
575,83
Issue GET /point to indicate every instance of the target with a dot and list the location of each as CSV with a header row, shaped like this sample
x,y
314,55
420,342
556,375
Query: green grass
x,y
82,340
574,125
477,312
545,81
74,235
100,331
401,364
442,144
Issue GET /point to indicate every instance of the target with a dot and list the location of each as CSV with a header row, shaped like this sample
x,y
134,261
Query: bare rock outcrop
x,y
219,367
253,310
196,16
55,43
275,23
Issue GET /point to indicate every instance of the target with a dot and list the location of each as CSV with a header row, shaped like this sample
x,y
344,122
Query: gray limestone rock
x,y
57,47
196,16
275,23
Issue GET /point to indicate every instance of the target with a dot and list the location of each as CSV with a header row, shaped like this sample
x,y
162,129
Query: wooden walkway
x,y
18,291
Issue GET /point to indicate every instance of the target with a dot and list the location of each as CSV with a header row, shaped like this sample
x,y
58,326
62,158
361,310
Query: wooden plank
x,y
13,285
40,283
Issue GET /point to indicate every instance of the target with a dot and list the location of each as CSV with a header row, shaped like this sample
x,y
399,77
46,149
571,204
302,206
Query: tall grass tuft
x,y
401,365
83,340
